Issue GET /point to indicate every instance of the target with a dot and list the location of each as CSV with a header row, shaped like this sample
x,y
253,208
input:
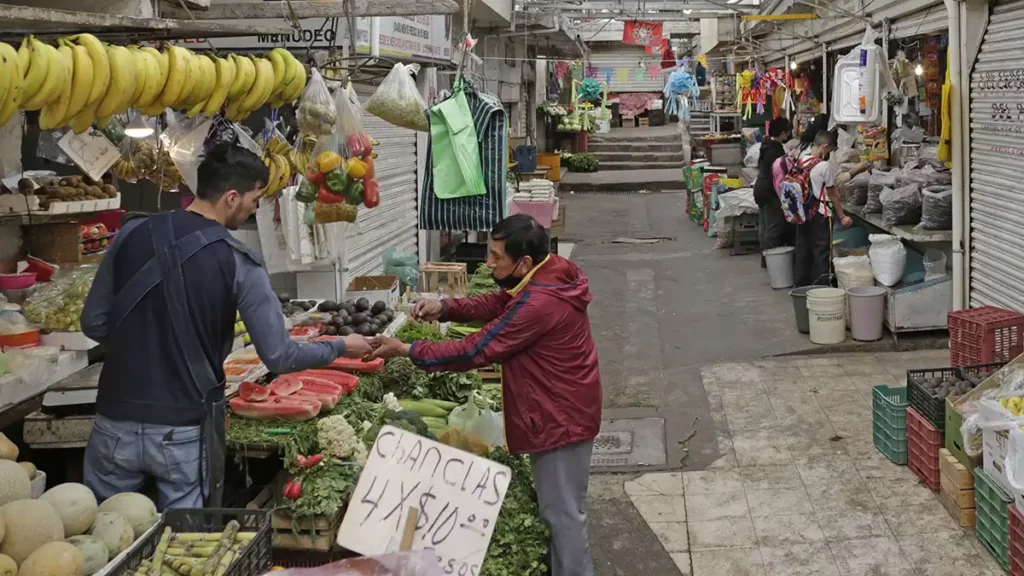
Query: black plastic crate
x,y
255,557
934,409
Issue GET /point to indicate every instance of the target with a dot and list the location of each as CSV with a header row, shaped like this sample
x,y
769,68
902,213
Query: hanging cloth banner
x,y
622,75
654,70
642,33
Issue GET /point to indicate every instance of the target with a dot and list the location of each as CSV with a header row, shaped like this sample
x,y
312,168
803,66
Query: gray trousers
x,y
561,477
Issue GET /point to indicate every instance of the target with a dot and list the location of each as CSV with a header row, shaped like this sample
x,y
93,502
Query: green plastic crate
x,y
889,422
992,509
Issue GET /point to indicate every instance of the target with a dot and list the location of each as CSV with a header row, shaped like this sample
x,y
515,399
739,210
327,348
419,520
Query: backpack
x,y
794,188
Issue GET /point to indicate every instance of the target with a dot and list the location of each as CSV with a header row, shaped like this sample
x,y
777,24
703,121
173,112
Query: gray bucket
x,y
780,266
803,323
867,309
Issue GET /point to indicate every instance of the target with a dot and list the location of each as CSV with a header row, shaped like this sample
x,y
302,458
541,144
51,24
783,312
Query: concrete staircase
x,y
632,160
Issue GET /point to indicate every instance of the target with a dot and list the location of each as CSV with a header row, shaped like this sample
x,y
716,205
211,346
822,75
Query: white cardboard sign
x,y
90,151
458,496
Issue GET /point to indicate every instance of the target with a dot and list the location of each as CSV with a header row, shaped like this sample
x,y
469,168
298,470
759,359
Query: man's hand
x,y
387,347
846,221
356,346
427,310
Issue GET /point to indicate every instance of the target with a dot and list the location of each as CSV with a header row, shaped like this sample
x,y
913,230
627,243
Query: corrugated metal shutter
x,y
394,221
997,163
635,61
934,19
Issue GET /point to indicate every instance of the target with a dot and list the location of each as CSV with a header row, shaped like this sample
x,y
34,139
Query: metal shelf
x,y
906,232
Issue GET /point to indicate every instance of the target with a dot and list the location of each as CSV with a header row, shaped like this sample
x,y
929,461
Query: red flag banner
x,y
642,33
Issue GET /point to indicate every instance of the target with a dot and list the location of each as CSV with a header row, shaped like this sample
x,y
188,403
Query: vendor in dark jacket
x,y
539,331
774,230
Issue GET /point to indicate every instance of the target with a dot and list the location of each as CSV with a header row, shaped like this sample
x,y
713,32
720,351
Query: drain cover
x,y
630,442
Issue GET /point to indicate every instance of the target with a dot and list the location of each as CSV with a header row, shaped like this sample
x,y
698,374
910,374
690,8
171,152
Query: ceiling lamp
x,y
138,128
792,65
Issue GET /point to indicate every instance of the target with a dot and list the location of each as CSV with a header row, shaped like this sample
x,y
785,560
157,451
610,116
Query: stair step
x,y
621,156
621,181
674,145
643,165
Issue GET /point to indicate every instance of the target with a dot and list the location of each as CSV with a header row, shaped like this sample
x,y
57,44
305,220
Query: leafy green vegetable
x,y
326,487
452,386
412,330
482,281
519,545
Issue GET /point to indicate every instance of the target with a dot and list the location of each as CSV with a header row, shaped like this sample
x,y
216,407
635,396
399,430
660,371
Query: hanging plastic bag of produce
x,y
398,101
474,430
57,305
350,127
405,265
317,114
184,142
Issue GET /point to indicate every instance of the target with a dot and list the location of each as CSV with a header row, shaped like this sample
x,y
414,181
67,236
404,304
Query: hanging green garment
x,y
455,149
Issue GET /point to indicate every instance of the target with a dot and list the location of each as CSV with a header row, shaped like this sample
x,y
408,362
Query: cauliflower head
x,y
337,438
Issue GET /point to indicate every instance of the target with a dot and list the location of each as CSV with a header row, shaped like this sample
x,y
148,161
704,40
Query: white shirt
x,y
822,178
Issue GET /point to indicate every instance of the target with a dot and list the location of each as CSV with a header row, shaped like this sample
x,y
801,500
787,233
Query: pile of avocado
x,y
356,317
940,387
292,307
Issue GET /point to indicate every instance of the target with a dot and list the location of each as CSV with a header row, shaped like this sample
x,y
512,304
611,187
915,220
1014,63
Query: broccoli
x,y
407,420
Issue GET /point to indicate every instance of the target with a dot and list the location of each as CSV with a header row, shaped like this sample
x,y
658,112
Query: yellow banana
x,y
178,71
141,71
209,77
33,67
155,78
155,109
261,88
5,75
84,119
16,78
48,62
81,81
100,66
53,113
24,55
195,110
244,78
293,66
194,78
225,76
292,91
122,81
234,113
277,62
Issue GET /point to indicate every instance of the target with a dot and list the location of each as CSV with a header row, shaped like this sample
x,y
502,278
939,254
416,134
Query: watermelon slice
x,y
323,382
291,409
327,395
253,392
357,366
285,385
348,382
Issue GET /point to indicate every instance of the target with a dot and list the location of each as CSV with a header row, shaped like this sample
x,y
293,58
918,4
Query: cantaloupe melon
x,y
53,559
7,566
114,531
8,450
3,531
136,508
76,505
30,524
94,553
14,484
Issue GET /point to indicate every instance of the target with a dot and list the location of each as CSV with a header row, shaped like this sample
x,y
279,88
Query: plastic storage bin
x,y
992,507
923,445
984,335
889,422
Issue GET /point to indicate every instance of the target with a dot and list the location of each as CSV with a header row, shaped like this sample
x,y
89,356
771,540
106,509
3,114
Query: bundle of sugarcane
x,y
196,553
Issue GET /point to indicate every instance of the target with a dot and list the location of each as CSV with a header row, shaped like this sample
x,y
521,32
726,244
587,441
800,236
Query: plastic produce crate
x,y
1016,547
255,557
923,445
889,422
984,335
992,511
934,409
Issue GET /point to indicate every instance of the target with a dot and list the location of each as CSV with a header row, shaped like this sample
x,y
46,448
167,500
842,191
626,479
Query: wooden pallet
x,y
490,376
447,279
312,533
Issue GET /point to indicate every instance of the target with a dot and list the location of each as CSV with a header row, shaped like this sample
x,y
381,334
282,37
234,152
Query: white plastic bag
x,y
416,563
853,271
888,258
474,430
934,264
398,101
316,114
752,155
184,141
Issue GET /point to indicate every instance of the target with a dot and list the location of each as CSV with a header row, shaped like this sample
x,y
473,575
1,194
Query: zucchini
x,y
442,404
430,421
422,408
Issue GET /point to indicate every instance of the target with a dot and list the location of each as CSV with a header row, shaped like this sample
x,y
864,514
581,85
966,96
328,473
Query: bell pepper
x,y
314,176
325,196
328,161
356,169
371,194
354,195
306,192
371,172
338,181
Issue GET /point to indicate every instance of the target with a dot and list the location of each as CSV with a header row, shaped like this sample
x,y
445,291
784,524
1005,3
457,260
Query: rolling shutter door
x,y
997,163
394,222
634,61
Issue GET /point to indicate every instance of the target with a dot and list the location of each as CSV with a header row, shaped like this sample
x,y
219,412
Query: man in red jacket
x,y
538,330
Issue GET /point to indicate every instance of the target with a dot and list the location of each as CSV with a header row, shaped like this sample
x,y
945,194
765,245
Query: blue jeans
x,y
120,456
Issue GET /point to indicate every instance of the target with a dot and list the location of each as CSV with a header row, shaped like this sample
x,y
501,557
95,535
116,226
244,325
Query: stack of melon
x,y
65,532
12,489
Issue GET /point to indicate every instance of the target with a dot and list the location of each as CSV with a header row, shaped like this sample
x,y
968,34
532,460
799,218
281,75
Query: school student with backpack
x,y
774,230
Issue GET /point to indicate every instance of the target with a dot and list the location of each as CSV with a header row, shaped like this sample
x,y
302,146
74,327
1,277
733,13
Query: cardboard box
x,y
964,517
375,288
994,445
558,224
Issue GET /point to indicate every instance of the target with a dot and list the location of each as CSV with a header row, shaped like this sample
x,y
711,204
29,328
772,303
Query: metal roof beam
x,y
662,6
626,16
250,10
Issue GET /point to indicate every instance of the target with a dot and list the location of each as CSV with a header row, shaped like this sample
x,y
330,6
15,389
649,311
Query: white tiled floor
x,y
800,488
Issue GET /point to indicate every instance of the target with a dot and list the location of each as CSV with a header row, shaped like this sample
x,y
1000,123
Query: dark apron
x,y
164,271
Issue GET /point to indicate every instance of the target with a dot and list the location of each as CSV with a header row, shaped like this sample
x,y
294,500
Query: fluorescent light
x,y
138,128
792,65
919,70
687,11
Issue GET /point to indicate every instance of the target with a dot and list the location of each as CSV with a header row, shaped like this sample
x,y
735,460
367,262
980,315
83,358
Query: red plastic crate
x,y
923,444
1016,542
984,335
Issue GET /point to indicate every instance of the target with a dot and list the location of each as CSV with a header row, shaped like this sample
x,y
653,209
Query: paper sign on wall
x,y
458,496
90,151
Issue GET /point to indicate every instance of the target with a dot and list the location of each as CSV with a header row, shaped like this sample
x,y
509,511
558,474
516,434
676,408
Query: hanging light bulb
x,y
138,128
792,65
919,70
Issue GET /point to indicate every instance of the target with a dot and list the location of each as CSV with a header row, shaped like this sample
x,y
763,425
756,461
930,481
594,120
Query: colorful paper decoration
x,y
622,75
654,70
561,69
607,73
638,75
642,33
703,59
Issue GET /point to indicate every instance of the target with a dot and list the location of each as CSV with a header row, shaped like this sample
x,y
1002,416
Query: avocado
x,y
327,306
389,313
360,318
349,308
306,306
283,297
331,330
345,331
381,319
364,329
362,305
378,307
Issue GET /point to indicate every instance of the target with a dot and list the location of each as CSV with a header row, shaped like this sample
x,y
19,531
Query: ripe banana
x,y
178,72
193,111
155,109
122,82
84,119
261,88
194,78
53,113
81,81
100,66
209,78
244,77
281,69
16,78
225,77
54,82
33,64
156,76
292,91
141,72
5,76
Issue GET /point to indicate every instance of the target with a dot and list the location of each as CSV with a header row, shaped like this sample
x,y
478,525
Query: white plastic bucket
x,y
867,307
780,266
826,312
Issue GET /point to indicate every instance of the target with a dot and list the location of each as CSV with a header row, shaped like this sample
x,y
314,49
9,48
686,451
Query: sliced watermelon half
x,y
327,396
285,385
290,409
348,382
323,382
253,392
